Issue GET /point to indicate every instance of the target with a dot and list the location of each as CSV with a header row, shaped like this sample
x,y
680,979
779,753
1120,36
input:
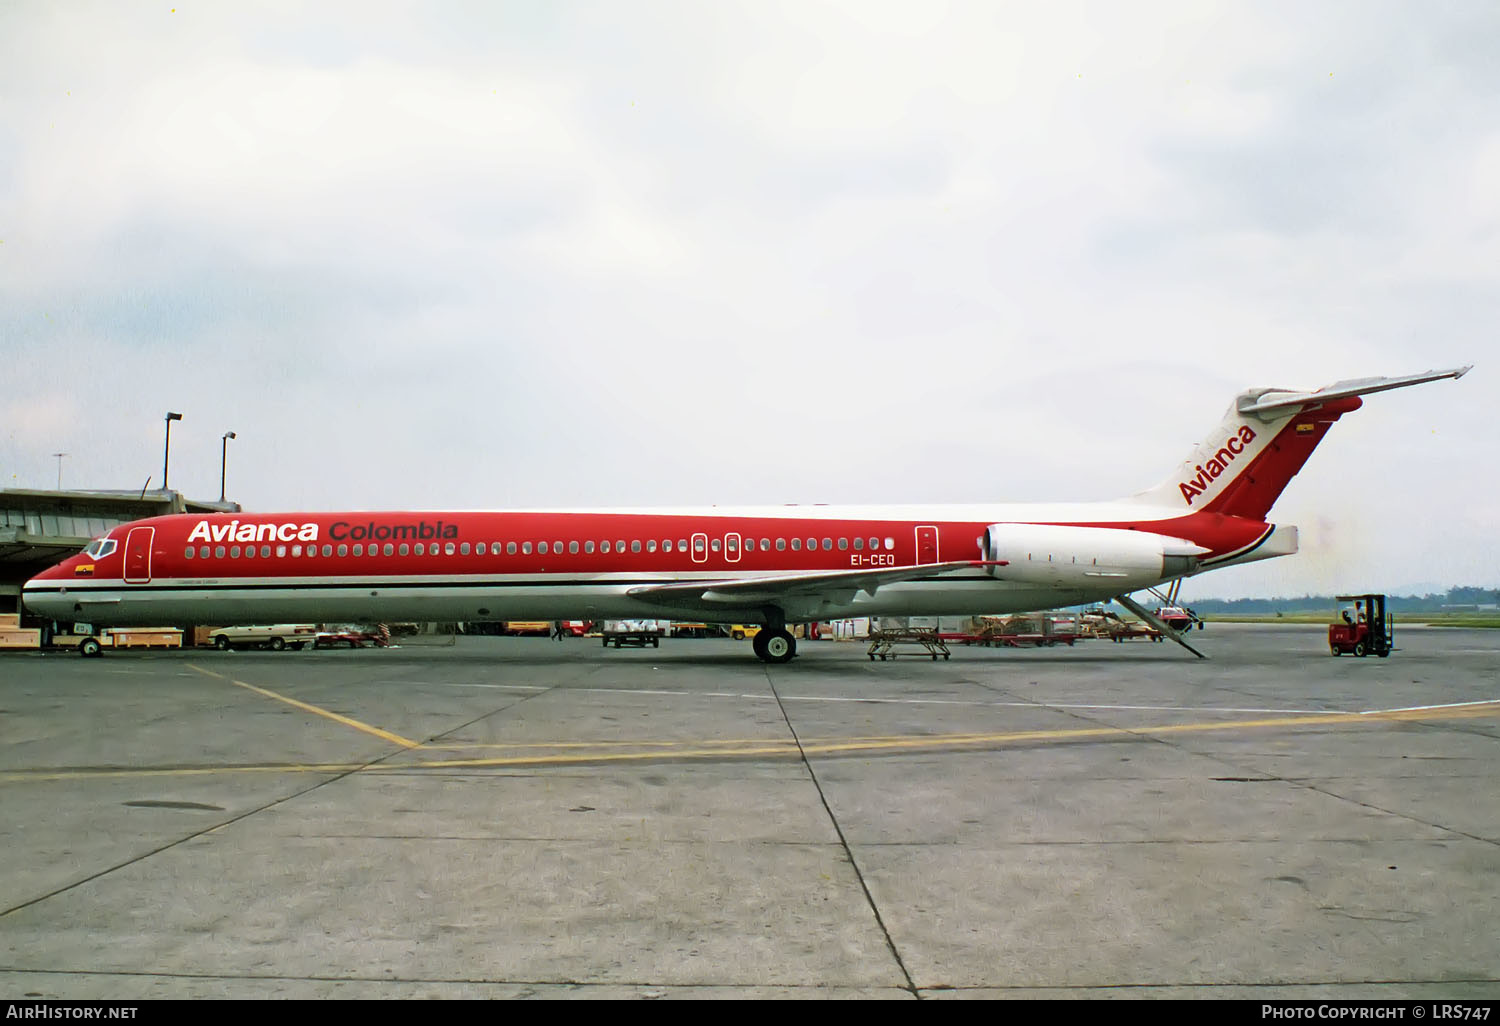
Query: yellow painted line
x,y
384,735
19,776
951,740
601,752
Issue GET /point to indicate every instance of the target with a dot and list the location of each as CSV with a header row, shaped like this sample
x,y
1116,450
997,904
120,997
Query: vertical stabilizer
x,y
1266,436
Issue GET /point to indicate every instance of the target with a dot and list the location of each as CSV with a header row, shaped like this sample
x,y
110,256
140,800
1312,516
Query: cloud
x,y
501,254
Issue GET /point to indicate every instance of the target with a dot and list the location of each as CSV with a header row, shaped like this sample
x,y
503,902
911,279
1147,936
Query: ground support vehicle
x,y
1133,632
1099,623
1179,618
1025,630
632,633
1031,640
1366,629
883,642
350,637
741,631
134,637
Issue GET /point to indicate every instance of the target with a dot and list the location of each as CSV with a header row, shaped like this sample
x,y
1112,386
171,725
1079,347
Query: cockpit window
x,y
100,547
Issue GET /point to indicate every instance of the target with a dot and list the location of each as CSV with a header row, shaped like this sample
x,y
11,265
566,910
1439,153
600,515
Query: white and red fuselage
x,y
773,565
191,568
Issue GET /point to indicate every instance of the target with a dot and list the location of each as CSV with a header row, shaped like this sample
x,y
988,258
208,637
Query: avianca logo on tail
x,y
1210,471
234,531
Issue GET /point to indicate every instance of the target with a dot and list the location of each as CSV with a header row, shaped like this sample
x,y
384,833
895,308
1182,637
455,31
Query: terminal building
x,y
39,529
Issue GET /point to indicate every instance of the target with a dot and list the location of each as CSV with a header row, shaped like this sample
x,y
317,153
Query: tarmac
x,y
522,817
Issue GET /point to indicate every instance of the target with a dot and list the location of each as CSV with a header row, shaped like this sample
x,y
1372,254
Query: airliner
x,y
772,566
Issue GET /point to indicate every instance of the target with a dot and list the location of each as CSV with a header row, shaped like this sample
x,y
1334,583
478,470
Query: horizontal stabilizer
x,y
1273,400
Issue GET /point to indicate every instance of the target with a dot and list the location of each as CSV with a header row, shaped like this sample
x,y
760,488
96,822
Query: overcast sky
x,y
448,255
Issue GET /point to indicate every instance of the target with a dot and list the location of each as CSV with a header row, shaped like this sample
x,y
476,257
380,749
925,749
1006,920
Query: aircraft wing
x,y
1280,400
835,585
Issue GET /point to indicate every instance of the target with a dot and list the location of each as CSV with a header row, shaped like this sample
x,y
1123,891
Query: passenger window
x,y
635,545
510,548
765,545
572,548
557,547
859,544
188,552
666,544
526,548
463,549
359,549
843,543
405,549
588,548
604,547
681,544
203,552
796,544
541,547
234,552
327,550
714,545
389,550
448,549
619,545
249,551
890,543
343,550
280,551
827,544
421,549
874,544
780,544
697,544
481,549
651,545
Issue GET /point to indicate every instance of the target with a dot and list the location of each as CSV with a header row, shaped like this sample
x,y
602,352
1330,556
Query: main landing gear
x,y
775,644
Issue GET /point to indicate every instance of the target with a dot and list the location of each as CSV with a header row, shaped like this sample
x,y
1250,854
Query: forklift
x,y
1366,629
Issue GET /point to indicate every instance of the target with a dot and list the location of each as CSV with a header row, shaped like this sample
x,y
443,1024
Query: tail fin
x,y
1265,438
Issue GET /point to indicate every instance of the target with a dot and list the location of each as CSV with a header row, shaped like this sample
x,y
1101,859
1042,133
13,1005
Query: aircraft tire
x,y
758,644
780,647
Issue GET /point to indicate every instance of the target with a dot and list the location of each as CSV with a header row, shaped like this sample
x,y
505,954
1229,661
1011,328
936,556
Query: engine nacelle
x,y
1087,557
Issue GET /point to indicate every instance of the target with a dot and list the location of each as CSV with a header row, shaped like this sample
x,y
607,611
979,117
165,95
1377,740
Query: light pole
x,y
59,456
167,452
223,459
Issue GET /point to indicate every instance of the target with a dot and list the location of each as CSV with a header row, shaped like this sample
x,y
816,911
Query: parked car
x,y
273,636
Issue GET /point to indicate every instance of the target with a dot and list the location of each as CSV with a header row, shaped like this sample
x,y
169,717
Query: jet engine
x,y
1087,557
